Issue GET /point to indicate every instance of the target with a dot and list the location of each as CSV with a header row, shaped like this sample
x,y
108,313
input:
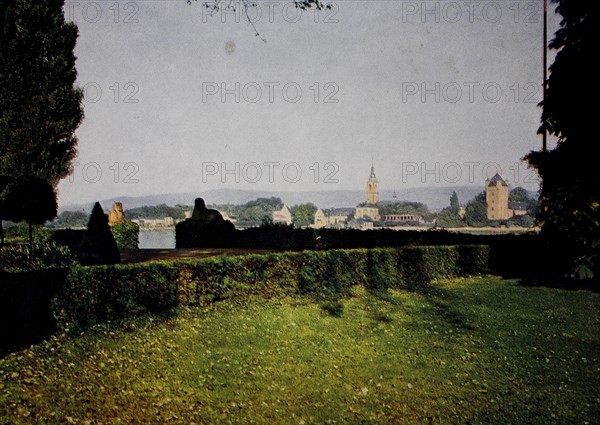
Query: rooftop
x,y
494,180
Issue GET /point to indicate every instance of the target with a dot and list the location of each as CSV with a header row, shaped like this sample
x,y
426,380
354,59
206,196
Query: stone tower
x,y
496,196
372,191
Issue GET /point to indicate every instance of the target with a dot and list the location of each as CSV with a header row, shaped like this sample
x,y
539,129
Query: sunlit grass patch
x,y
481,350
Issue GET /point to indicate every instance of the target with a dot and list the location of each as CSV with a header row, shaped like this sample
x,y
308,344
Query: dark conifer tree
x,y
98,245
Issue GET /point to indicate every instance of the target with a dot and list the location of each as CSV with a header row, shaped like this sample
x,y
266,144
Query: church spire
x,y
372,190
372,175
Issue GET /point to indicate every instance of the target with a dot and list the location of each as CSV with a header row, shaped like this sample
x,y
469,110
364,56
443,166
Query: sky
x,y
431,93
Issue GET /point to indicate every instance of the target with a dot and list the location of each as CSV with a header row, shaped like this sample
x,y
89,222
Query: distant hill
x,y
435,198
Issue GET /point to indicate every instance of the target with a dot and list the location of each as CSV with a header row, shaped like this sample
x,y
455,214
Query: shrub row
x,y
99,293
39,256
517,255
289,238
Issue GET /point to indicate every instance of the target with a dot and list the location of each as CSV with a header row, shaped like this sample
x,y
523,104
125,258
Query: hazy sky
x,y
435,93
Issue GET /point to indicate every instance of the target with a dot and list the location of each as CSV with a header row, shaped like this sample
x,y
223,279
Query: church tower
x,y
496,194
372,191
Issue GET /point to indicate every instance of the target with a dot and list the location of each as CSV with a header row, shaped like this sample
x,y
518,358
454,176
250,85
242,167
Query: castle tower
x,y
372,191
496,197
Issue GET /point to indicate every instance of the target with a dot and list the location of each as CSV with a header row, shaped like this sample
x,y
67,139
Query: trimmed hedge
x,y
39,256
99,293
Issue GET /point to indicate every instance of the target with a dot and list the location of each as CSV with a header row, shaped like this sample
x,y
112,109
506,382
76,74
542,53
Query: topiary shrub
x,y
98,245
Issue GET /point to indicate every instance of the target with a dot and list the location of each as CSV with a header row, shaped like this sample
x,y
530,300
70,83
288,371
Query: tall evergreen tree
x,y
454,204
40,107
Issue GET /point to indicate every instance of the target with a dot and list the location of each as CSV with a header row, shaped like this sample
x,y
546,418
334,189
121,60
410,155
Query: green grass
x,y
478,350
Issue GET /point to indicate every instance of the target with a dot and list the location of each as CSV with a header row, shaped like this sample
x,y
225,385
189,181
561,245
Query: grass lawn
x,y
478,350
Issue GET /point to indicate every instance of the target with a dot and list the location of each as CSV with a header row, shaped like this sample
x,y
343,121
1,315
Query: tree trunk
x,y
1,233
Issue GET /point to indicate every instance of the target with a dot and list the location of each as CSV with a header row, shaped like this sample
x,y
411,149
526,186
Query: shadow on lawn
x,y
442,305
555,280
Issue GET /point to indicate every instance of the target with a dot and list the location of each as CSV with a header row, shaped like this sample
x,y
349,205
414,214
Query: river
x,y
157,238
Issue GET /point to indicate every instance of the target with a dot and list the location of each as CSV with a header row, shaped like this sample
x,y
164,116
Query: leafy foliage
x,y
32,200
476,211
213,7
569,198
520,196
158,211
68,219
40,255
448,217
126,234
403,207
40,108
4,183
255,213
17,233
522,221
303,214
308,4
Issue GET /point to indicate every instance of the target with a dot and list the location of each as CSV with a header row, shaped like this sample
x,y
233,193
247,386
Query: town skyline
x,y
436,199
